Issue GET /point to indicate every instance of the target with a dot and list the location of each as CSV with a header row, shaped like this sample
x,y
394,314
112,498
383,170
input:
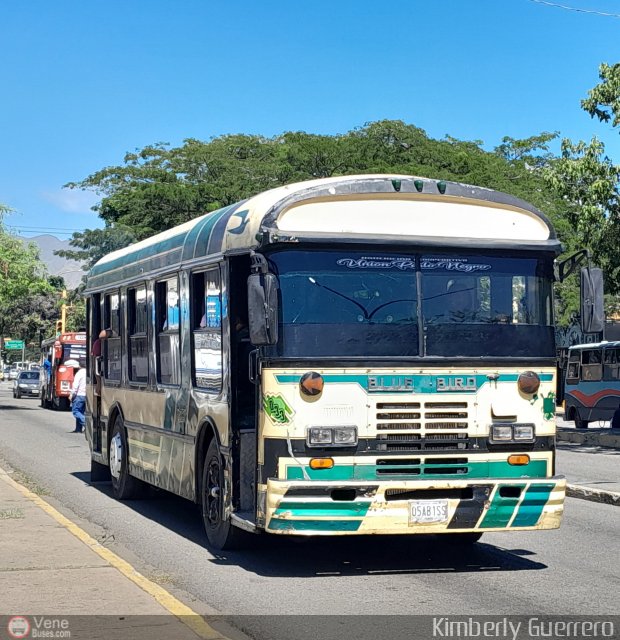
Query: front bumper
x,y
345,508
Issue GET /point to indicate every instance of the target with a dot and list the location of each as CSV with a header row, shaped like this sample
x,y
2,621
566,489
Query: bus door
x,y
243,390
95,351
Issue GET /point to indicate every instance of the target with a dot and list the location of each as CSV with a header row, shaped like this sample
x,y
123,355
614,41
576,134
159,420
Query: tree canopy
x,y
161,186
26,293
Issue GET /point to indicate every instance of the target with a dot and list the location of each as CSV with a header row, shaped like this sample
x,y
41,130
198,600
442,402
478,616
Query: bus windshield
x,y
74,352
361,304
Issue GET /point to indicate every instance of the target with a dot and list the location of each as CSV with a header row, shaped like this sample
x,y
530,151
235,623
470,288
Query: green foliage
x,y
22,278
603,101
588,182
159,187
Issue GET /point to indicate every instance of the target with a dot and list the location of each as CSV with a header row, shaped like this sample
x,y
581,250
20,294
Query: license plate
x,y
426,511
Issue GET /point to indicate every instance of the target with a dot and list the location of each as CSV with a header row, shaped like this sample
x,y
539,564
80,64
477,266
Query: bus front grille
x,y
429,426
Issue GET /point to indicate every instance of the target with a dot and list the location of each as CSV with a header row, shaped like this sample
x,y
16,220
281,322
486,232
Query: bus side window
x,y
112,346
591,365
137,319
206,317
168,344
611,364
572,375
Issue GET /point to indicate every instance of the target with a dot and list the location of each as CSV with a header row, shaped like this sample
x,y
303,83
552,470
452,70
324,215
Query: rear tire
x,y
221,534
124,485
580,423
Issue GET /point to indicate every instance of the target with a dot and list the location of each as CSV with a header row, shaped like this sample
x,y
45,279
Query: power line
x,y
577,9
20,226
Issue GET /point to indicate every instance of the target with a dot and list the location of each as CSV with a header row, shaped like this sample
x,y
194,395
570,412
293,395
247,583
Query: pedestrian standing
x,y
78,396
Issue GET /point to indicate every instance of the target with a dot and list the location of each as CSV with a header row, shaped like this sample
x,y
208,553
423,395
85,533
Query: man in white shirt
x,y
78,397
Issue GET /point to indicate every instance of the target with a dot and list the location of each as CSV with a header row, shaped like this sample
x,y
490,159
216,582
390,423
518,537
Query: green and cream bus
x,y
356,355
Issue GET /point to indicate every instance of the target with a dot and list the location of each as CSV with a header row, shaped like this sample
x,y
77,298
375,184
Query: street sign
x,y
14,344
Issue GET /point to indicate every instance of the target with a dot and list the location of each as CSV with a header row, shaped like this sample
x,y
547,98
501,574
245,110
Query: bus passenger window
x,y
137,319
591,365
206,317
112,346
168,345
611,364
572,375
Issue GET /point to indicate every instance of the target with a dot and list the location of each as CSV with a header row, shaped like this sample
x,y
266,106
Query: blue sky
x,y
85,81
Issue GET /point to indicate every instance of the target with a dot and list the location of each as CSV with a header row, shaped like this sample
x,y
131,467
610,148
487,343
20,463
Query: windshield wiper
x,y
337,293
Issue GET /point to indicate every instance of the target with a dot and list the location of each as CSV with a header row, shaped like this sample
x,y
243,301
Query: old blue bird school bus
x,y
357,355
592,387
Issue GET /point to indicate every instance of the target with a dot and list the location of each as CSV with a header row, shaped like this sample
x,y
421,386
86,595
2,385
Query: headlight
x,y
501,432
523,431
345,435
22,385
331,436
318,436
511,433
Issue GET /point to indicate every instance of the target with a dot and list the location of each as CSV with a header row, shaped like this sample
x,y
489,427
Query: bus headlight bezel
x,y
336,436
510,432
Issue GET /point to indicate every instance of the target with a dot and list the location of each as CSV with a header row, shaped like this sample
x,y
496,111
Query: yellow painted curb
x,y
186,615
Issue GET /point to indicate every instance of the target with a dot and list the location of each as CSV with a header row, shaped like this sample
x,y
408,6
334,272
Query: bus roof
x,y
595,345
414,211
72,337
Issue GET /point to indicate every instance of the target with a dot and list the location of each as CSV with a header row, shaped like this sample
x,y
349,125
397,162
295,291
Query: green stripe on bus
x,y
488,469
532,505
501,509
316,509
314,525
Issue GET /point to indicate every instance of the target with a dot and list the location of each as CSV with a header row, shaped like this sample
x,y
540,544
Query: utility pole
x,y
63,311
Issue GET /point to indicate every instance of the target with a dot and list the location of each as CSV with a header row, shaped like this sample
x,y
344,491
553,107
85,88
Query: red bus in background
x,y
56,378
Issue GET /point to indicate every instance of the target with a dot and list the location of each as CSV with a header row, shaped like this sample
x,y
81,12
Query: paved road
x,y
570,571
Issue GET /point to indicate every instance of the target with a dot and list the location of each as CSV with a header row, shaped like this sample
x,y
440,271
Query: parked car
x,y
27,384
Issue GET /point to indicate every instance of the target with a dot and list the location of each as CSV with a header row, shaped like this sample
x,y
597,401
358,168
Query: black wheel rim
x,y
212,489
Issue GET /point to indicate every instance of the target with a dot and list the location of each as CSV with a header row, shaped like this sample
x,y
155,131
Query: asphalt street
x,y
573,570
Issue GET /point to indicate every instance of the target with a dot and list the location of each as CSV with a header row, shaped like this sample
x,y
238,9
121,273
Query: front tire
x,y
221,534
124,485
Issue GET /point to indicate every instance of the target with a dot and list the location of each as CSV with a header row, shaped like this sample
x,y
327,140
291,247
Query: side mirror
x,y
592,308
263,308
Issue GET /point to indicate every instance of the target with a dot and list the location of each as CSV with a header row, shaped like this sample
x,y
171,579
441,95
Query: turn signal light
x,y
321,463
518,460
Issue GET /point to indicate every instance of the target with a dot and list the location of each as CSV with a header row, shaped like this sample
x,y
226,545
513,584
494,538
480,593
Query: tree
x,y
603,101
22,277
588,182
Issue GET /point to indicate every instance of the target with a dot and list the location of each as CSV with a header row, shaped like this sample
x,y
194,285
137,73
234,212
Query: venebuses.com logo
x,y
38,627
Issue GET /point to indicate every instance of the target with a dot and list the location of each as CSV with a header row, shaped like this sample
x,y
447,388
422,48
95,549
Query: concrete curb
x,y
610,439
593,495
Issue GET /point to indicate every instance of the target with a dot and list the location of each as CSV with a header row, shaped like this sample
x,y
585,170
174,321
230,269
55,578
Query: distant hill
x,y
70,270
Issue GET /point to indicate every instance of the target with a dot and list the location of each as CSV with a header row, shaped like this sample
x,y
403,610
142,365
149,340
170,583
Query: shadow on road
x,y
282,556
10,407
